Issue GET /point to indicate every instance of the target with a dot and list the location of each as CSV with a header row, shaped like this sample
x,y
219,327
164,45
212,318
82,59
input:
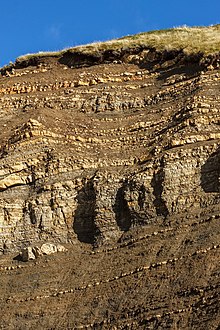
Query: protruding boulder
x,y
31,253
27,254
37,251
48,248
61,248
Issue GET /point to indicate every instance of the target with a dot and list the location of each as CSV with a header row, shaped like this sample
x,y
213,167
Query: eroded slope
x,y
120,157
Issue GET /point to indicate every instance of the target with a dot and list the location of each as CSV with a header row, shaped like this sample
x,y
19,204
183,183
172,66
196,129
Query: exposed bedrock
x,y
89,152
98,209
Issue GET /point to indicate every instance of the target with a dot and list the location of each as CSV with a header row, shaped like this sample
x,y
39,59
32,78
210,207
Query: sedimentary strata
x,y
117,157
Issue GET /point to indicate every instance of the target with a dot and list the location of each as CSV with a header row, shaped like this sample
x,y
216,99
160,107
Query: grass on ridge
x,y
190,39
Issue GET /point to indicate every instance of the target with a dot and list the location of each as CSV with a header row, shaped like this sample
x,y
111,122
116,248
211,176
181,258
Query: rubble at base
x,y
31,253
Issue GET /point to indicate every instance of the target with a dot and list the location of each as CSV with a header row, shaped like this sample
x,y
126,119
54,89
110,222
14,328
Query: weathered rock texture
x,y
111,151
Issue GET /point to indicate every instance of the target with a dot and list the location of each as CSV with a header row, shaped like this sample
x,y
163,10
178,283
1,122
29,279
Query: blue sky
x,y
29,26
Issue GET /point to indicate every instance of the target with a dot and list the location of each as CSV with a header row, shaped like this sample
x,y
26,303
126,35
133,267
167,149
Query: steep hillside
x,y
112,149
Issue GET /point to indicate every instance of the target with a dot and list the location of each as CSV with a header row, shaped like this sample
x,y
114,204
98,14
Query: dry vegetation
x,y
189,39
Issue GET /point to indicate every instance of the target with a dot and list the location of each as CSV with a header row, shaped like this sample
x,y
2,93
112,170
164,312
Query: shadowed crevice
x,y
130,205
84,218
78,59
121,209
157,185
210,173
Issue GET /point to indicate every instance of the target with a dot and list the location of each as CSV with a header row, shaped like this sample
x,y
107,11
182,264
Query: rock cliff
x,y
108,149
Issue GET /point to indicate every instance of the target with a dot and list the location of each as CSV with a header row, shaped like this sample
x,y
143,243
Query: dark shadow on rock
x,y
154,57
180,63
76,59
18,257
121,209
84,218
79,59
190,71
157,185
175,61
129,205
210,173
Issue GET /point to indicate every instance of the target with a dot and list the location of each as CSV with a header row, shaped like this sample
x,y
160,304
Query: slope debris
x,y
114,153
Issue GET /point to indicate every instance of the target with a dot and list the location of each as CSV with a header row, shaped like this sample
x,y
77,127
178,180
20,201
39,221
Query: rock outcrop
x,y
88,153
112,149
31,253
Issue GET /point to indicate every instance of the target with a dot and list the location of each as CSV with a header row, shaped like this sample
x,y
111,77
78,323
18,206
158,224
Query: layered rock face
x,y
116,157
89,152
